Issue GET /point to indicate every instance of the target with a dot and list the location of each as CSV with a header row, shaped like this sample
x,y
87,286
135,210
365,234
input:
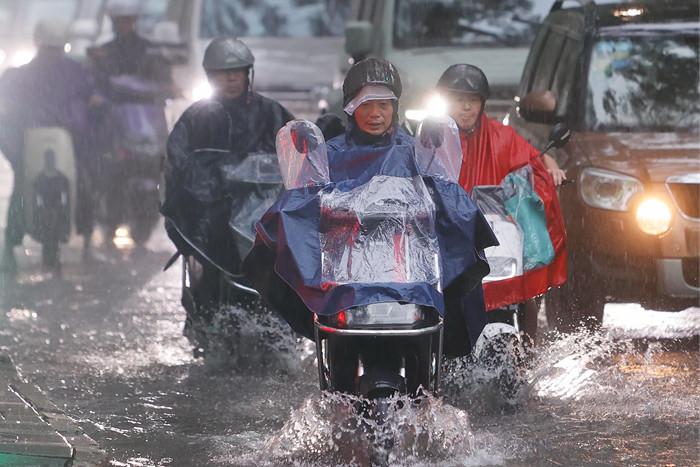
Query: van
x,y
424,37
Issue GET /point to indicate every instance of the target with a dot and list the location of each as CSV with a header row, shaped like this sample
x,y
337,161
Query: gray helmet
x,y
227,53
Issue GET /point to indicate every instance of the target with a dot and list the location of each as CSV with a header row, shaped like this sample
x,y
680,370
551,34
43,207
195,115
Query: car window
x,y
548,61
565,73
274,18
644,81
437,23
532,60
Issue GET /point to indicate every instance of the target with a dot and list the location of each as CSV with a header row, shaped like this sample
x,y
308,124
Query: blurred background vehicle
x,y
422,38
18,20
624,77
297,43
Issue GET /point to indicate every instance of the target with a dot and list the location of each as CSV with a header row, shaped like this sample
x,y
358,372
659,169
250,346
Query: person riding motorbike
x,y
136,79
50,91
490,152
374,144
227,128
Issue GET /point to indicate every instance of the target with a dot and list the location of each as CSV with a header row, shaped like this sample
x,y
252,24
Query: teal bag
x,y
527,209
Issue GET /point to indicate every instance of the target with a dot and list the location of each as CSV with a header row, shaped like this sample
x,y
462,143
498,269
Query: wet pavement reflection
x,y
105,343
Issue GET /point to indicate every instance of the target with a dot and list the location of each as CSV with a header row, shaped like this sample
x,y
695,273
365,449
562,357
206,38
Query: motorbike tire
x,y
381,438
579,302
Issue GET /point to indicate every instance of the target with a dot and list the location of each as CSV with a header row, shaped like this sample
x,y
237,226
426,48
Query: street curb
x,y
37,407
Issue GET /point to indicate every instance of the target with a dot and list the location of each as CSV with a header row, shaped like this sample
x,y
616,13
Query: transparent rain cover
x,y
257,168
382,231
303,158
438,148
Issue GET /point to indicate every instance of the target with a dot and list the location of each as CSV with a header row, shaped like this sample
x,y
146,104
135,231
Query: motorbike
x,y
132,168
365,259
49,189
212,283
512,211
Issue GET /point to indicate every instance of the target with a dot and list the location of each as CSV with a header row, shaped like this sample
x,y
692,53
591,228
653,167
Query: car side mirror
x,y
559,136
538,107
358,39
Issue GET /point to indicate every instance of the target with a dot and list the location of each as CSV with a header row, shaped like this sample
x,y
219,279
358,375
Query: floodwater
x,y
104,342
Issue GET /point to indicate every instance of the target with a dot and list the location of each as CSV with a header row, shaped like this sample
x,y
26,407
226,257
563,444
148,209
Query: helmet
x,y
465,78
226,53
123,8
51,33
371,71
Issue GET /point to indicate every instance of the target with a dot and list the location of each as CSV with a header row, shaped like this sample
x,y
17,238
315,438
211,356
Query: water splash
x,y
328,429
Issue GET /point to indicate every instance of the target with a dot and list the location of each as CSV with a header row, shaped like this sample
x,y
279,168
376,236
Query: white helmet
x,y
123,8
51,33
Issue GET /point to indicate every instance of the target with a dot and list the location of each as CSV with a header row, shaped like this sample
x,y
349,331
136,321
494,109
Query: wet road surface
x,y
104,342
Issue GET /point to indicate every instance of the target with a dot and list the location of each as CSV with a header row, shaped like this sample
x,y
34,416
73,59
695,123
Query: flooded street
x,y
105,344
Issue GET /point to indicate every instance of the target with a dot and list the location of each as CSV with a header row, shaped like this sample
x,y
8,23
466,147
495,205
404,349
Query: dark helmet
x,y
465,78
227,53
370,71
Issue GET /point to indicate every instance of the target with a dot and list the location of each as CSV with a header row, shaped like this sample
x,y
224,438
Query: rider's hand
x,y
303,137
558,176
431,134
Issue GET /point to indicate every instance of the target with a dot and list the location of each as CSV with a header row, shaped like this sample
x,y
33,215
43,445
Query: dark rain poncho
x,y
209,141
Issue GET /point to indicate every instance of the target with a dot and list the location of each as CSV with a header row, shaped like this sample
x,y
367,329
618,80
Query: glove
x,y
431,134
303,137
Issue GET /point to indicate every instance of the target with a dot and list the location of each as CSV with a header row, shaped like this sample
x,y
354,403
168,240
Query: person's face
x,y
375,117
229,84
464,108
124,25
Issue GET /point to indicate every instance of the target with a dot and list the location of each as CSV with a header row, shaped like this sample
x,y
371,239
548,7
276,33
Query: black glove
x,y
431,134
303,137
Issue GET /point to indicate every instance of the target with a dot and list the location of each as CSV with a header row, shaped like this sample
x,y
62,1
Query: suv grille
x,y
687,196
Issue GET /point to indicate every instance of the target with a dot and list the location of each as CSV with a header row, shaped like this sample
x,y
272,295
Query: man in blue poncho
x,y
284,265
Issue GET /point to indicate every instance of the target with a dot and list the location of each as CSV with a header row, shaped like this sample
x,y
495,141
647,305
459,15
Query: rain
x,y
194,274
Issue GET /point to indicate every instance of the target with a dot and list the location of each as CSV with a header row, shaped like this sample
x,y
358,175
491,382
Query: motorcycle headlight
x,y
435,106
653,216
604,189
380,315
202,90
22,57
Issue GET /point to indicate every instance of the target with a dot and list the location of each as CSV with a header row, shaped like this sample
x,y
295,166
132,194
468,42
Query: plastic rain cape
x,y
379,229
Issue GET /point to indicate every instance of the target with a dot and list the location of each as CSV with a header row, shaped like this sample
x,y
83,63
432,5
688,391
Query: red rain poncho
x,y
488,155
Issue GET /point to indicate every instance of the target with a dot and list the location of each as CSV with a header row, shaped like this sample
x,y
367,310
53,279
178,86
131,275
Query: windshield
x,y
274,18
437,23
152,12
644,82
22,17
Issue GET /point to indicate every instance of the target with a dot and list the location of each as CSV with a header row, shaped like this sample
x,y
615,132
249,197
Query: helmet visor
x,y
371,92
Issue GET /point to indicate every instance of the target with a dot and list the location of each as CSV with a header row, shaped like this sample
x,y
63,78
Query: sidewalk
x,y
34,432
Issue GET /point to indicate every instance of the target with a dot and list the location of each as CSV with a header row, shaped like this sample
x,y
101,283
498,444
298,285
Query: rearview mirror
x,y
538,107
358,39
559,136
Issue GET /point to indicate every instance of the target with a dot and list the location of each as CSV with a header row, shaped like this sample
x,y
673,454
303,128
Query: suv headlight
x,y
605,189
653,216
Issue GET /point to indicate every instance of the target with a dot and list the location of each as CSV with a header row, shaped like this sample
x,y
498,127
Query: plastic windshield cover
x,y
380,232
302,153
256,168
516,215
438,148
